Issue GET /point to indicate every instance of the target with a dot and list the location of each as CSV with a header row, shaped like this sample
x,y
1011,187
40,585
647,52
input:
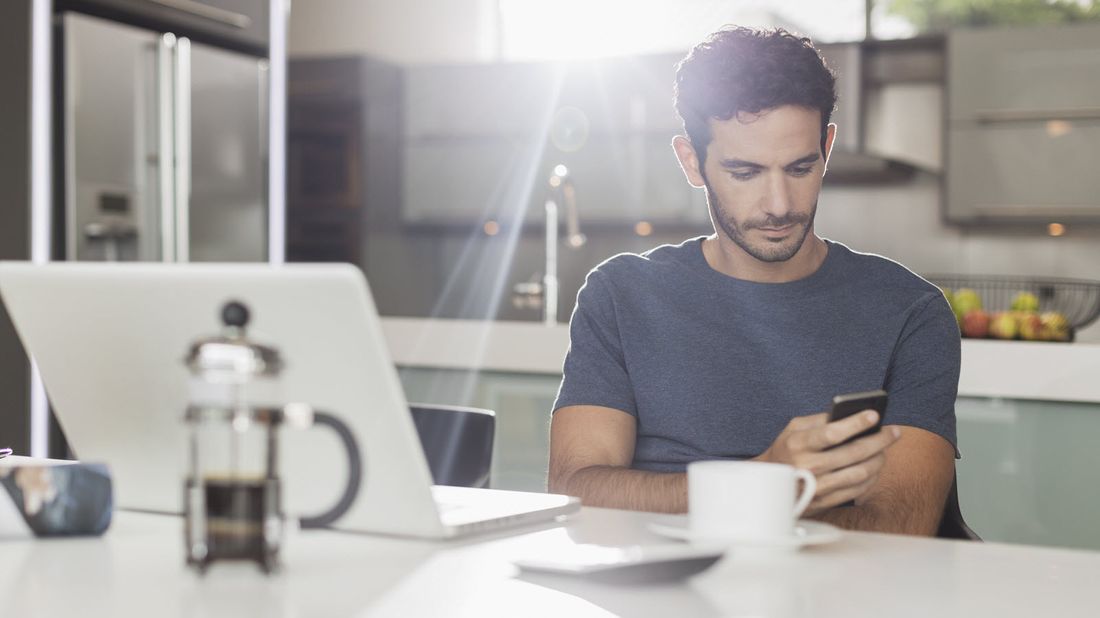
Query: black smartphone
x,y
854,403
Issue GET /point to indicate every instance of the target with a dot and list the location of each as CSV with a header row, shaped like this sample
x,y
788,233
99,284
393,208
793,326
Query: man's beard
x,y
779,251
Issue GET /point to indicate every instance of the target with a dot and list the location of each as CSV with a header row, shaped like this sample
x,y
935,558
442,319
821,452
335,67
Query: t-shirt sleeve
x,y
923,379
594,372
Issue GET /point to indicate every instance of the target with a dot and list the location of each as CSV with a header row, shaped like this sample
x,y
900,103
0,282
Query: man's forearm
x,y
623,488
869,518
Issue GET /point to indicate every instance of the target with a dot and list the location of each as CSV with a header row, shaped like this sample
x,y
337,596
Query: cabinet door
x,y
464,180
1023,124
481,141
617,178
479,100
1041,171
624,178
623,96
1039,70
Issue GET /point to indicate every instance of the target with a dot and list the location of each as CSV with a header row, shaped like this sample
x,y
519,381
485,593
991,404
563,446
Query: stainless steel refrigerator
x,y
165,145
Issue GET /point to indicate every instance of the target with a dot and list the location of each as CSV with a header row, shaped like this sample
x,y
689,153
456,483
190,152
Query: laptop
x,y
110,339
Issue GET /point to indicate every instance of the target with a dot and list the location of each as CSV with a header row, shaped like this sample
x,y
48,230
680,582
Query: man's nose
x,y
778,203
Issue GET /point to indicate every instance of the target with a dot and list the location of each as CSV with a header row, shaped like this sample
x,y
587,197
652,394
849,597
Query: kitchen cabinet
x,y
478,100
1041,171
1023,122
480,142
325,199
342,135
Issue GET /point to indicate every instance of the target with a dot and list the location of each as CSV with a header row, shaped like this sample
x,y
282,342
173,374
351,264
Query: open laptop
x,y
110,340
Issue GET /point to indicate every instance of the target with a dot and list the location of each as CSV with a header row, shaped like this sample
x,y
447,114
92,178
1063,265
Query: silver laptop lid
x,y
109,340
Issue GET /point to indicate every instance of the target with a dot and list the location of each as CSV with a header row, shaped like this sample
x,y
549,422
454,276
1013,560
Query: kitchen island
x,y
1034,370
1028,416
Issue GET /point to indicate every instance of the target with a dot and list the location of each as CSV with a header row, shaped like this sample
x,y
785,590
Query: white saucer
x,y
806,532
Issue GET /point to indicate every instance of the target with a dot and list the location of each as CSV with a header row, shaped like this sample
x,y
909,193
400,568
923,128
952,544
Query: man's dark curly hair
x,y
746,70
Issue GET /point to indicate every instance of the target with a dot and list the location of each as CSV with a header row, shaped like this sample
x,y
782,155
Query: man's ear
x,y
830,135
689,162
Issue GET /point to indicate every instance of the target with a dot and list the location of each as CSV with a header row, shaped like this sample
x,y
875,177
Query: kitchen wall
x,y
463,273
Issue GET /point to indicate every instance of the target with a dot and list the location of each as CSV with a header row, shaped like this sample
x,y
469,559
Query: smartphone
x,y
854,403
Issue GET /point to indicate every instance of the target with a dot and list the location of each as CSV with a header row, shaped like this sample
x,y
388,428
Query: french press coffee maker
x,y
232,494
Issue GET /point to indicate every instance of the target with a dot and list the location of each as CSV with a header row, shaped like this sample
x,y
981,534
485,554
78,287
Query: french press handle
x,y
351,489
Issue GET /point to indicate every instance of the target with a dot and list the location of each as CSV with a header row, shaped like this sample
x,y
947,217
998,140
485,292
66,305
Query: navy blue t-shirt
x,y
714,367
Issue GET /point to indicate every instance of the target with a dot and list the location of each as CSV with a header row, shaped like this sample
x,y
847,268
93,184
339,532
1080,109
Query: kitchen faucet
x,y
532,293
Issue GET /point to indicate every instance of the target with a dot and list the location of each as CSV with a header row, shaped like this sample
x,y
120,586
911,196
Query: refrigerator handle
x,y
183,149
166,149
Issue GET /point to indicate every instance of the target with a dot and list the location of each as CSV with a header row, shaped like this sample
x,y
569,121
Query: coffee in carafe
x,y
235,512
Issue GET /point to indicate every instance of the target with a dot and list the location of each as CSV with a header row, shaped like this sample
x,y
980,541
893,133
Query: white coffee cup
x,y
746,500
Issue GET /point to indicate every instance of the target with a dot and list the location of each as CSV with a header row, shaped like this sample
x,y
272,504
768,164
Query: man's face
x,y
762,176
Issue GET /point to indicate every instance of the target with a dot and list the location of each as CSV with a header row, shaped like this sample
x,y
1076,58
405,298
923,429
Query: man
x,y
730,346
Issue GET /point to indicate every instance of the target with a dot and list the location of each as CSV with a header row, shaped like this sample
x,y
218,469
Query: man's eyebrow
x,y
740,163
810,158
735,163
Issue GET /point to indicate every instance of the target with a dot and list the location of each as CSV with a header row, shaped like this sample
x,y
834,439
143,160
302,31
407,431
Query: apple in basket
x,y
1031,327
1025,301
1055,326
975,324
966,300
1003,325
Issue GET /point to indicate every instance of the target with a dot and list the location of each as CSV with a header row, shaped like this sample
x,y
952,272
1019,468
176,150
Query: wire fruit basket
x,y
1076,299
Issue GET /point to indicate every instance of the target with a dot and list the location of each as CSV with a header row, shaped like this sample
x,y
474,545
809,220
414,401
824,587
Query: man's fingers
x,y
816,420
803,442
859,450
824,462
850,476
831,434
803,423
840,496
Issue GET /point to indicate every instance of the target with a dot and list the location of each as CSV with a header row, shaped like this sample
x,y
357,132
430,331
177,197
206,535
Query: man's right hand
x,y
844,473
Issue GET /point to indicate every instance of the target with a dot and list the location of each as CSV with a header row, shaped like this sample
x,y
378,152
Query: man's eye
x,y
800,171
742,175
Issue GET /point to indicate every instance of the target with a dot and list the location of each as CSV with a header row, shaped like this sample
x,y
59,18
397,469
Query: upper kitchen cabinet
x,y
481,100
1024,122
238,24
481,141
889,112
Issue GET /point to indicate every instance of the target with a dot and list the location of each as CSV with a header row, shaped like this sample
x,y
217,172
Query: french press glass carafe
x,y
232,494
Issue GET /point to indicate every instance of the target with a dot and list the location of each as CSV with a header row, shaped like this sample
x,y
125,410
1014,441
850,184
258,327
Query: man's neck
x,y
724,256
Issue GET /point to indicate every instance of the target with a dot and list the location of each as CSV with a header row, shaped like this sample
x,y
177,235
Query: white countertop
x,y
1011,369
137,569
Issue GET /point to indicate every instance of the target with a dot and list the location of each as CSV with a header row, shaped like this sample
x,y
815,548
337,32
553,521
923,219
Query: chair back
x,y
457,442
952,526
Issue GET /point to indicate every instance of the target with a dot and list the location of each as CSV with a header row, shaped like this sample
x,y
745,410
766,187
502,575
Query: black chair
x,y
952,526
457,442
